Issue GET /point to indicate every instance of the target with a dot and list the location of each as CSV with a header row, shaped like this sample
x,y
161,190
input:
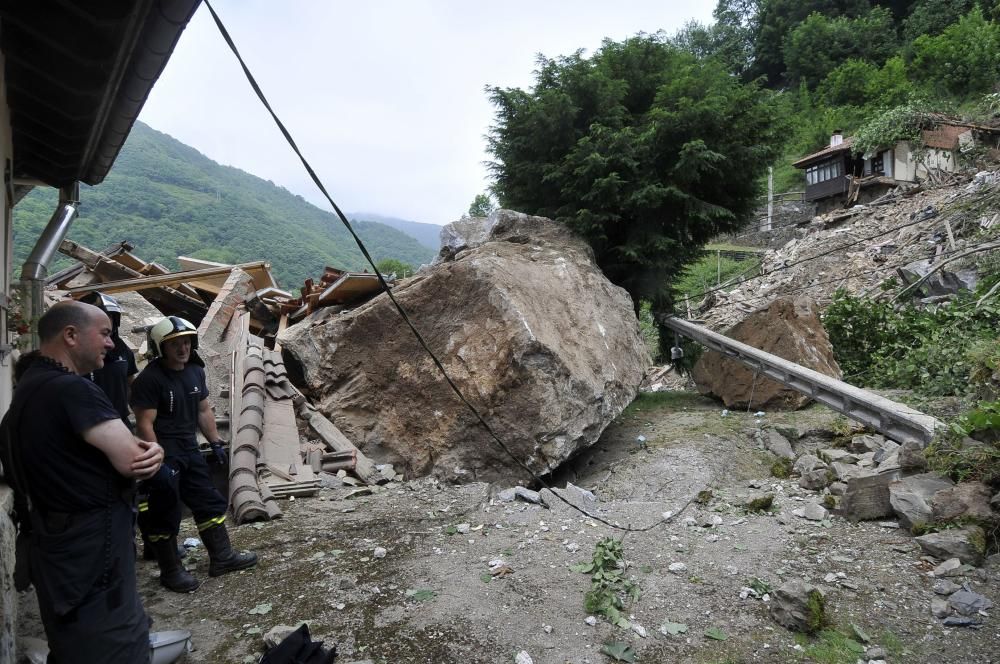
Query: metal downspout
x,y
36,267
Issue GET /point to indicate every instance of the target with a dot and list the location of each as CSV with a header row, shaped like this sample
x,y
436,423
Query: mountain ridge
x,y
168,200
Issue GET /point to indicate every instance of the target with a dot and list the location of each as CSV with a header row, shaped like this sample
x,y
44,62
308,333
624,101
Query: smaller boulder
x,y
910,498
778,445
815,480
807,462
911,458
968,500
967,544
799,606
867,497
866,443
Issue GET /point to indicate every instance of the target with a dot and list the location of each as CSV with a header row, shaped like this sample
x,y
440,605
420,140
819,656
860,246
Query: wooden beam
x,y
160,280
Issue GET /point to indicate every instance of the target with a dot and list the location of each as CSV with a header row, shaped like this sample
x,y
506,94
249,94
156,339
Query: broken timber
x,y
890,418
364,469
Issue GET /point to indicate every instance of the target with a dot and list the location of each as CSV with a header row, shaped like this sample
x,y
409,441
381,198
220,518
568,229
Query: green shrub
x,y
962,60
930,350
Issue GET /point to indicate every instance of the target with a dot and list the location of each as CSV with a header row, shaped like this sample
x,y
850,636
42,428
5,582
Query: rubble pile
x,y
525,324
860,248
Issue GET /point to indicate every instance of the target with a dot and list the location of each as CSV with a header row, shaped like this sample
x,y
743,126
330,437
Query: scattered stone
x,y
811,511
590,620
837,488
843,470
967,602
277,634
910,497
911,457
677,568
945,587
940,608
832,454
875,652
814,480
640,630
790,433
867,498
507,495
866,443
807,462
577,497
379,552
527,495
547,629
969,500
463,528
967,544
961,621
522,658
888,448
799,606
759,502
709,520
779,445
950,567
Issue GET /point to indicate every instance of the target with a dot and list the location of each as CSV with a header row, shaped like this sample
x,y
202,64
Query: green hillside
x,y
170,200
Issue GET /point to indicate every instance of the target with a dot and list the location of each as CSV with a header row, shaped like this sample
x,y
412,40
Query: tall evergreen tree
x,y
643,149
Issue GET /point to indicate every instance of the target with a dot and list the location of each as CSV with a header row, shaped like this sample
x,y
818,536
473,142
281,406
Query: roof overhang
x,y
77,75
824,154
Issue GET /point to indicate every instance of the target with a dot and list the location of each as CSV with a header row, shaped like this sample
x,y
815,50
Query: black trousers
x,y
184,477
84,572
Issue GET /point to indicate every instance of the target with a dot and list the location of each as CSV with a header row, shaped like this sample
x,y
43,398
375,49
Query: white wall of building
x,y
908,169
7,248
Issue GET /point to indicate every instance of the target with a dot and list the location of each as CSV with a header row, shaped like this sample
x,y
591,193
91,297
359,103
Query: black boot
x,y
173,576
220,552
148,552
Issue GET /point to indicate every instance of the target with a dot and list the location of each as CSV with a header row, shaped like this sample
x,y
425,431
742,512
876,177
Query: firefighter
x,y
74,463
170,402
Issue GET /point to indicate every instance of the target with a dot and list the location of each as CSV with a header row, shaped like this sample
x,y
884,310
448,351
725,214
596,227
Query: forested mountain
x,y
428,235
170,200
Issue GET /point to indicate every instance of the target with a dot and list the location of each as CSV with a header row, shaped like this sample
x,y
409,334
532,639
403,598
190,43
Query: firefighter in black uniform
x,y
115,378
119,364
76,461
170,402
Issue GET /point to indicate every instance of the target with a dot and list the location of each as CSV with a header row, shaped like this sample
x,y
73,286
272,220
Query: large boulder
x,y
526,325
789,328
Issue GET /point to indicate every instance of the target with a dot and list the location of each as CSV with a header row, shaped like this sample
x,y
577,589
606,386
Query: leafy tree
x,y
777,18
394,266
642,149
849,84
931,17
481,206
862,84
819,44
962,60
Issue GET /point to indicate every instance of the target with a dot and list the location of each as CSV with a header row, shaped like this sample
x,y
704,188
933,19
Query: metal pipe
x,y
36,267
37,264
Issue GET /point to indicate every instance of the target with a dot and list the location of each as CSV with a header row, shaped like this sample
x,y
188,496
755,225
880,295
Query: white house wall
x,y
908,169
7,248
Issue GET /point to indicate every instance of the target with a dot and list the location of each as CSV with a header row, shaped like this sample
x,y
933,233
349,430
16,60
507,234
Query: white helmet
x,y
171,327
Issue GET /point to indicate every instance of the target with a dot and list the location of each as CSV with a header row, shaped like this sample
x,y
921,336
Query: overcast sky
x,y
385,98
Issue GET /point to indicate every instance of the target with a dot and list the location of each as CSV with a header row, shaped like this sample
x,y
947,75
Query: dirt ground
x,y
431,597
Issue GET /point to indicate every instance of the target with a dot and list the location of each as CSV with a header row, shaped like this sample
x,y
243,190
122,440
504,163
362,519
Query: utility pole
x,y
770,198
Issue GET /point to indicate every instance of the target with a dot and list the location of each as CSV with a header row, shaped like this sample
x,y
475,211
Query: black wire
x,y
388,291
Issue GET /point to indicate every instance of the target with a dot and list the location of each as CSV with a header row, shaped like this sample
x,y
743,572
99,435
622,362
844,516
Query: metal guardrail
x,y
890,418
